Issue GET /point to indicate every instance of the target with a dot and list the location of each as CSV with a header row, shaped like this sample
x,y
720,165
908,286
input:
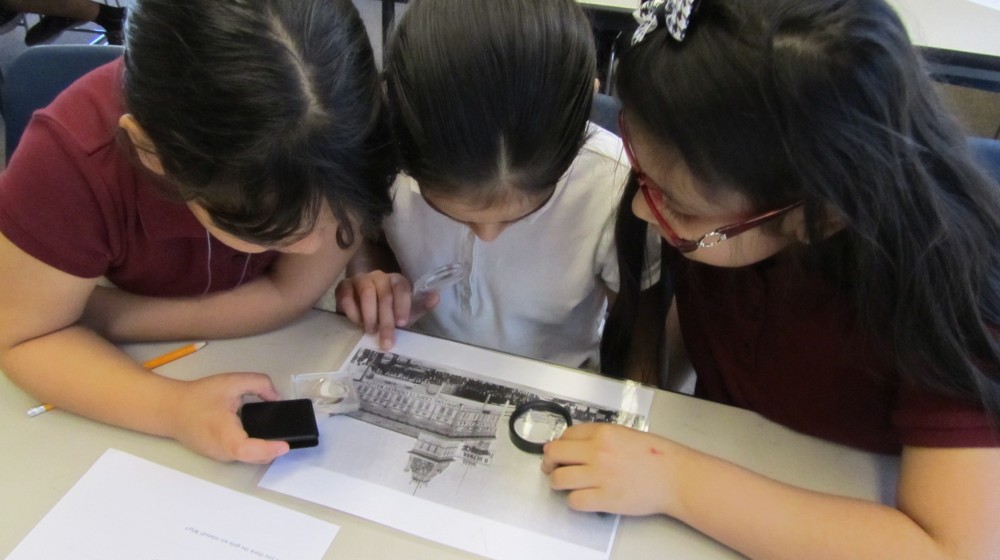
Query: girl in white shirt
x,y
502,173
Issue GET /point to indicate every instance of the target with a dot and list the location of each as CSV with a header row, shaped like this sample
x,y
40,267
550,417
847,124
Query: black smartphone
x,y
293,421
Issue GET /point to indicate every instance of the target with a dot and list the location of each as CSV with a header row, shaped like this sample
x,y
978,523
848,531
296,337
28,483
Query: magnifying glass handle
x,y
421,303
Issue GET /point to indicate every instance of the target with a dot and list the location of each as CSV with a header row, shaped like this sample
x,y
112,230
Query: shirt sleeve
x,y
50,206
927,419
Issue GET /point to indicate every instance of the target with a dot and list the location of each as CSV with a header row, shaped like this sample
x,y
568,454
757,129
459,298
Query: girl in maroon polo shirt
x,y
833,258
220,176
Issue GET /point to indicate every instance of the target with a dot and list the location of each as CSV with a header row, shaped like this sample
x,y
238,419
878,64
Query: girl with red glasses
x,y
831,245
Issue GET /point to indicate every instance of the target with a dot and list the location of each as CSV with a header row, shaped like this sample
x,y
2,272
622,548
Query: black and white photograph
x,y
436,435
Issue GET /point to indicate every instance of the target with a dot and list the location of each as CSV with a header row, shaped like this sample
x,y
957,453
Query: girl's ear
x,y
832,222
143,145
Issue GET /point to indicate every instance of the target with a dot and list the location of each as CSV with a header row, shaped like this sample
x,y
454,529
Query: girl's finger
x,y
573,477
368,302
400,300
260,451
559,452
587,499
348,305
386,315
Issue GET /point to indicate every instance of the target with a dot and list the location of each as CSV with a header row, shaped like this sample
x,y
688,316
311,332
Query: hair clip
x,y
674,15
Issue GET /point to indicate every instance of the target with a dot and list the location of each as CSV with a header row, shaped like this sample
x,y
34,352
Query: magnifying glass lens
x,y
330,392
539,426
535,423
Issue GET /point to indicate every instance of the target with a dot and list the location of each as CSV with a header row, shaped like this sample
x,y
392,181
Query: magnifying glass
x,y
330,393
535,423
437,280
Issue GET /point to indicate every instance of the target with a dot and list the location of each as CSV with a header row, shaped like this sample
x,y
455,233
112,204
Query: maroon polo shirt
x,y
72,198
778,339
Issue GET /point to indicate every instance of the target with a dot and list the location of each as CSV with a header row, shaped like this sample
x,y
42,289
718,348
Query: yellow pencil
x,y
156,362
174,355
40,409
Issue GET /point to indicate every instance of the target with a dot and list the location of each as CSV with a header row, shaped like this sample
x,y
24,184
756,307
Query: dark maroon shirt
x,y
779,339
72,198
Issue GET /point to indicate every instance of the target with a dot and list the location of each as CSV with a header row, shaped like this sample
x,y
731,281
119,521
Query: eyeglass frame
x,y
711,238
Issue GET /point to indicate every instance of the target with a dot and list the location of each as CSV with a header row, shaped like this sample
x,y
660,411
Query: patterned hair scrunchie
x,y
673,15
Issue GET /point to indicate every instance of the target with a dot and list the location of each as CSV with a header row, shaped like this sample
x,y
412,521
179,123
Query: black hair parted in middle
x,y
261,110
490,95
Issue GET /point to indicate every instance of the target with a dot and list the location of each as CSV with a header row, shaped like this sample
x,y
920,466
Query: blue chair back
x,y
37,76
987,153
604,112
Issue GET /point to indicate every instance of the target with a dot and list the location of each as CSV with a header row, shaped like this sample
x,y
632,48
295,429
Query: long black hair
x,y
261,110
827,101
489,95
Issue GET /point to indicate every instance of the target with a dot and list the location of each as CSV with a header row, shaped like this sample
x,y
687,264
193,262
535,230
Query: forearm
x,y
766,519
292,285
45,351
948,499
76,370
79,372
253,308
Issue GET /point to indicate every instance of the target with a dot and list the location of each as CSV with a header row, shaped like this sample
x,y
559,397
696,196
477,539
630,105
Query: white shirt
x,y
538,290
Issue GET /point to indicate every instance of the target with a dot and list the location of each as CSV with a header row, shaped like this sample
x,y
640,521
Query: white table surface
x,y
43,457
959,25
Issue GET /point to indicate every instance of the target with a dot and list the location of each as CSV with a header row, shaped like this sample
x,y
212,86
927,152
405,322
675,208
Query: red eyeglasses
x,y
653,194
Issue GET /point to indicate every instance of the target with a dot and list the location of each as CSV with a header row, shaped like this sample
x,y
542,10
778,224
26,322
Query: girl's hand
x,y
207,422
607,467
379,302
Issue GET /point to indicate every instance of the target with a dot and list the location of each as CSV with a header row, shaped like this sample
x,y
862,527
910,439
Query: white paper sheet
x,y
127,508
470,490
